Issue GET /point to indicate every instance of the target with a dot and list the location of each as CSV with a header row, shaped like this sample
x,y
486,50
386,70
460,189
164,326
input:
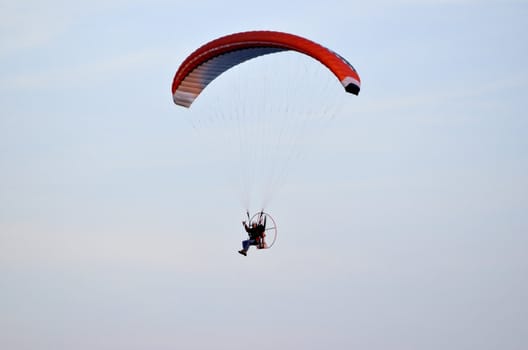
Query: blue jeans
x,y
249,242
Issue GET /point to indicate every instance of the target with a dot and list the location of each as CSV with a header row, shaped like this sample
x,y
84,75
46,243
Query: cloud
x,y
434,97
26,246
87,73
31,24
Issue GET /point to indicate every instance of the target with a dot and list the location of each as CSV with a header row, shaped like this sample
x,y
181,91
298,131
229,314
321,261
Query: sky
x,y
403,226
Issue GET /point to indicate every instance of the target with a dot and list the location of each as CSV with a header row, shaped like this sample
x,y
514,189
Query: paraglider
x,y
260,233
214,58
208,62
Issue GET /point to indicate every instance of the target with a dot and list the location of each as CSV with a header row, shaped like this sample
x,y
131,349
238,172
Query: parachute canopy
x,y
214,58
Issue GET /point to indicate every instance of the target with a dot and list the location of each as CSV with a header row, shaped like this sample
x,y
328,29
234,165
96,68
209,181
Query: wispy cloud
x,y
28,246
31,24
435,97
88,72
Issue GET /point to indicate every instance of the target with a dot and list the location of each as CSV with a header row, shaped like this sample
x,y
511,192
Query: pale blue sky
x,y
405,226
